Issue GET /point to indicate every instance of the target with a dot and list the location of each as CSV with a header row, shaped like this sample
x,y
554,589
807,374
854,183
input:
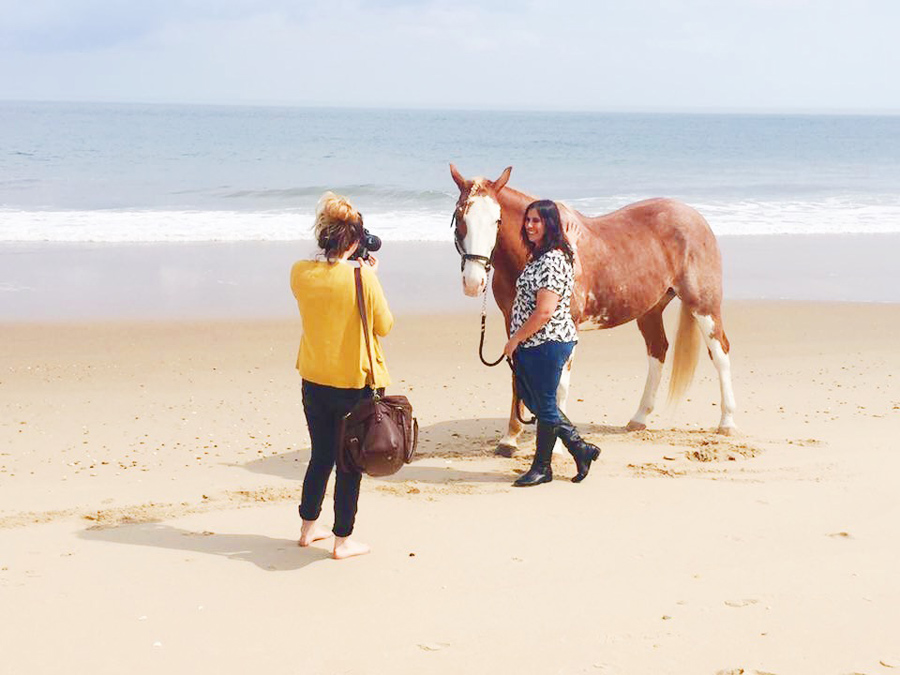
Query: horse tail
x,y
687,344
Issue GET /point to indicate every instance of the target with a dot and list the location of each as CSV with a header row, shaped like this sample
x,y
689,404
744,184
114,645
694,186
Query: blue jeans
x,y
538,370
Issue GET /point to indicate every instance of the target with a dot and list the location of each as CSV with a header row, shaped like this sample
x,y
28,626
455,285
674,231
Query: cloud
x,y
645,54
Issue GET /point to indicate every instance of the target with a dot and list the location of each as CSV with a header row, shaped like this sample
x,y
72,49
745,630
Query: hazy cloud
x,y
646,54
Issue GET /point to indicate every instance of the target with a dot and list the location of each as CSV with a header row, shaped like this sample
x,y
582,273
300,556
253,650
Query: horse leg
x,y
562,397
508,445
717,344
654,332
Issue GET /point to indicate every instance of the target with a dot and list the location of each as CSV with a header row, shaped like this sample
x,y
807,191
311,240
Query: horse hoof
x,y
505,450
635,426
726,431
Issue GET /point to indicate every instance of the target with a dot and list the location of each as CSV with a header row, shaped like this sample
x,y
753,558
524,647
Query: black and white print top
x,y
553,272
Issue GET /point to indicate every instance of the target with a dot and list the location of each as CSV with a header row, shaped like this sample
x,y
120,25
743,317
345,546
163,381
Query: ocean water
x,y
140,173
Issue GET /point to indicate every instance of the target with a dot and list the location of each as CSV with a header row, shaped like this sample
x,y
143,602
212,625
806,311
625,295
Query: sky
x,y
619,55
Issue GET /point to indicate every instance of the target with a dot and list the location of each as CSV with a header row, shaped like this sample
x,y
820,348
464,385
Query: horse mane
x,y
516,195
516,200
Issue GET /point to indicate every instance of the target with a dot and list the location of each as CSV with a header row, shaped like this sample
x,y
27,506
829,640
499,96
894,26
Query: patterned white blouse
x,y
553,272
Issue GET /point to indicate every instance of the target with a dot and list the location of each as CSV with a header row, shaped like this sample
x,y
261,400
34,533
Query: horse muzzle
x,y
474,279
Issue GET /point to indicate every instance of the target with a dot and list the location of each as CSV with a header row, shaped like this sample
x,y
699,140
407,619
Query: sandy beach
x,y
228,280
151,462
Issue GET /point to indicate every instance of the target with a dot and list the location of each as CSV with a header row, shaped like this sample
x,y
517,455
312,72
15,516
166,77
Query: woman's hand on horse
x,y
572,232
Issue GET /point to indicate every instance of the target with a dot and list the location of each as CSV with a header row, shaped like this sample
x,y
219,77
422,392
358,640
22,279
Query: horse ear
x,y
461,182
504,177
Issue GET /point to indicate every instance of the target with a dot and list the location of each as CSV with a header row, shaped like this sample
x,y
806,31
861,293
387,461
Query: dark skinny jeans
x,y
324,407
538,371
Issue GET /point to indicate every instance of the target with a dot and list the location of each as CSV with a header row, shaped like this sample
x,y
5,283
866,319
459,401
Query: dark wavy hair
x,y
554,237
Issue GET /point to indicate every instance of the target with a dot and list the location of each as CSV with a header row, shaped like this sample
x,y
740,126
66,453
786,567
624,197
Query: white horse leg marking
x,y
562,397
722,363
510,442
648,400
511,439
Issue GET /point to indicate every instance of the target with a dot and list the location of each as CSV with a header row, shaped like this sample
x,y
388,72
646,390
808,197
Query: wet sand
x,y
86,282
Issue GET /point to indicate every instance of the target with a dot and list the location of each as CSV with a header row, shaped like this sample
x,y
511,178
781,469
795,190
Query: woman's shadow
x,y
267,553
443,442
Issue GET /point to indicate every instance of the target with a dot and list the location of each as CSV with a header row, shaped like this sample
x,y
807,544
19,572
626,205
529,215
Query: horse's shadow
x,y
446,441
267,553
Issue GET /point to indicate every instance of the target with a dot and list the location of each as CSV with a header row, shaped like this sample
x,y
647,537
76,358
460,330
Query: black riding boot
x,y
540,471
583,452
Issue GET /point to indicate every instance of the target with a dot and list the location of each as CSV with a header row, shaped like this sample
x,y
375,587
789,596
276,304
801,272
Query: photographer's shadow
x,y
267,553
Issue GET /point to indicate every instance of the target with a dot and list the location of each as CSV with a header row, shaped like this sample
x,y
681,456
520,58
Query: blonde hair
x,y
338,225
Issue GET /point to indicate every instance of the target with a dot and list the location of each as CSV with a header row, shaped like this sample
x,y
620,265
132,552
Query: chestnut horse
x,y
629,264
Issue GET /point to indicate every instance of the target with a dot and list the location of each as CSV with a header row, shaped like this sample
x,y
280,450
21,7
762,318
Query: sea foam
x,y
829,216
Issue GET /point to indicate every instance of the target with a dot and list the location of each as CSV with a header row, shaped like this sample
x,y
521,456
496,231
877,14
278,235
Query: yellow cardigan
x,y
332,348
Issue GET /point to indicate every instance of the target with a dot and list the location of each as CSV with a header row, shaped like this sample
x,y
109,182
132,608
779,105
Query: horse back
x,y
628,260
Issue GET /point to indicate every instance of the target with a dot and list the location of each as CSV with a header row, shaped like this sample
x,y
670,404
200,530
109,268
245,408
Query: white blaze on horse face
x,y
482,213
722,362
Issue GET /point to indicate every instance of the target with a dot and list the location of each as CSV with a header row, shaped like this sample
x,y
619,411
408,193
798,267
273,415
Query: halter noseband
x,y
486,260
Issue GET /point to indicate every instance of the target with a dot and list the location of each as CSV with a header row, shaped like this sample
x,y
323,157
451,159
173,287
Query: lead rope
x,y
509,361
484,296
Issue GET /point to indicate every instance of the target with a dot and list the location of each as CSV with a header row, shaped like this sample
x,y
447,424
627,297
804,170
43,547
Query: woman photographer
x,y
333,362
542,337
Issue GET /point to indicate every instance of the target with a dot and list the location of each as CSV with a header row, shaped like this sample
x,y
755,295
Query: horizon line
x,y
624,110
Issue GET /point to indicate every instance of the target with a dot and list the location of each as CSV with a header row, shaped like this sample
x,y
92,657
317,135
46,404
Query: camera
x,y
368,242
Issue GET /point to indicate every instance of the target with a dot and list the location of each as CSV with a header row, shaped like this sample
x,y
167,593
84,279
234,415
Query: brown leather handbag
x,y
380,434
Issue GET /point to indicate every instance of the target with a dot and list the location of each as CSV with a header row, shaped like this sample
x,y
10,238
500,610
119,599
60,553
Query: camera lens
x,y
371,242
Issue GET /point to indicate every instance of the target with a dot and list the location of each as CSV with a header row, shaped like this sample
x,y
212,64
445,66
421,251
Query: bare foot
x,y
311,531
344,547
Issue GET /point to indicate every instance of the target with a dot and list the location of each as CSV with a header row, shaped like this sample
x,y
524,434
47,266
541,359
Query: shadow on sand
x,y
447,441
271,555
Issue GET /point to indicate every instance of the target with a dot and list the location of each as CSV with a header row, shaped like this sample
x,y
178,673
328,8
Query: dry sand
x,y
149,475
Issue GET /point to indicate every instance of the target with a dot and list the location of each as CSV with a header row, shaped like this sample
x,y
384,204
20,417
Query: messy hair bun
x,y
338,225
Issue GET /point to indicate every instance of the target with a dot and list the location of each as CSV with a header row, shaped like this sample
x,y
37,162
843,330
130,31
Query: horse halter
x,y
487,261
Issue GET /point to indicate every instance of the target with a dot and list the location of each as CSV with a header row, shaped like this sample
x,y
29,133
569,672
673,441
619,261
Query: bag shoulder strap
x,y
361,305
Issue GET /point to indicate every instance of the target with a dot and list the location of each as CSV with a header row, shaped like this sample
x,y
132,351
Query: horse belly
x,y
606,305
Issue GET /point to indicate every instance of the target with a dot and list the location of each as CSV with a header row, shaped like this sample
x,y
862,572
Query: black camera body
x,y
368,242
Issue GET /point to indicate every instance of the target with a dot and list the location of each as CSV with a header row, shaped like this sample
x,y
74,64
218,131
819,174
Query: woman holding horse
x,y
542,337
333,361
